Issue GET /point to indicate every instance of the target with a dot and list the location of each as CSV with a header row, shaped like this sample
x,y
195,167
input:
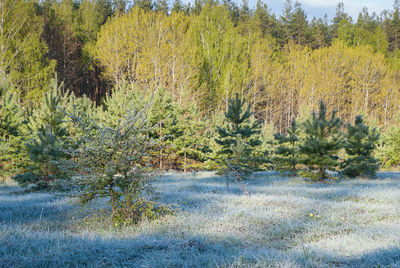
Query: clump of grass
x,y
139,210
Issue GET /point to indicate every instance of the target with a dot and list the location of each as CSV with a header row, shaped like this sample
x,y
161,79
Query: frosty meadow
x,y
284,222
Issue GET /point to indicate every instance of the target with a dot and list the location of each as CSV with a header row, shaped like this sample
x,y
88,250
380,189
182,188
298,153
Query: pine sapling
x,y
288,151
322,142
360,142
237,139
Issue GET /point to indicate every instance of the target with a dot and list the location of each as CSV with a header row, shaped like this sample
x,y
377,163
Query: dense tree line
x,y
37,142
211,55
206,52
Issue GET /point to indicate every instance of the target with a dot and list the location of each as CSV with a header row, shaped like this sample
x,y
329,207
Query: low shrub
x,y
139,210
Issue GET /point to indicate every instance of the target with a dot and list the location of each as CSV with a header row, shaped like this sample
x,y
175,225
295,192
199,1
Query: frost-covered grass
x,y
284,222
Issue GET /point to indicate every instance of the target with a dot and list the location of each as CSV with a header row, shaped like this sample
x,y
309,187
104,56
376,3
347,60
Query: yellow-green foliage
x,y
205,56
23,54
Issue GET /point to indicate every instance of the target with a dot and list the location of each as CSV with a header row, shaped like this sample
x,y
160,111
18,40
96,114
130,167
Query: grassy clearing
x,y
285,222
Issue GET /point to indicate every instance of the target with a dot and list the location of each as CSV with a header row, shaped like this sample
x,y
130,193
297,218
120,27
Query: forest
x,y
208,134
188,61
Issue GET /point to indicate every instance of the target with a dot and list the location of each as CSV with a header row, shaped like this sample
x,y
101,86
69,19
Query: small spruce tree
x,y
237,140
323,140
360,142
288,151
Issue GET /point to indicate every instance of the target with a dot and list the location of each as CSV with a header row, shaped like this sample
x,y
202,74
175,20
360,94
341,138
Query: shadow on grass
x,y
33,208
52,249
381,257
279,243
57,250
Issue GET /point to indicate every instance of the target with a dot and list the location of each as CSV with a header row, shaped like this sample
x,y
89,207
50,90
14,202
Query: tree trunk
x,y
112,200
322,172
160,133
184,163
128,199
227,178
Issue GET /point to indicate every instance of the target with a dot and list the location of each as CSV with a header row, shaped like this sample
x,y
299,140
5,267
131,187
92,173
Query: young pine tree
x,y
112,162
164,113
11,120
360,142
288,151
114,106
237,141
262,151
80,105
389,153
213,158
191,141
321,144
48,141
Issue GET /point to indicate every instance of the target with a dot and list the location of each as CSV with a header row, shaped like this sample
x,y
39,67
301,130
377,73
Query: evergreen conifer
x,y
111,162
390,149
360,142
164,113
237,140
288,151
48,141
321,144
11,121
191,141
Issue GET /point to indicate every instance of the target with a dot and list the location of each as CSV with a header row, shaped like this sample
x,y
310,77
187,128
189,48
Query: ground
x,y
284,222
